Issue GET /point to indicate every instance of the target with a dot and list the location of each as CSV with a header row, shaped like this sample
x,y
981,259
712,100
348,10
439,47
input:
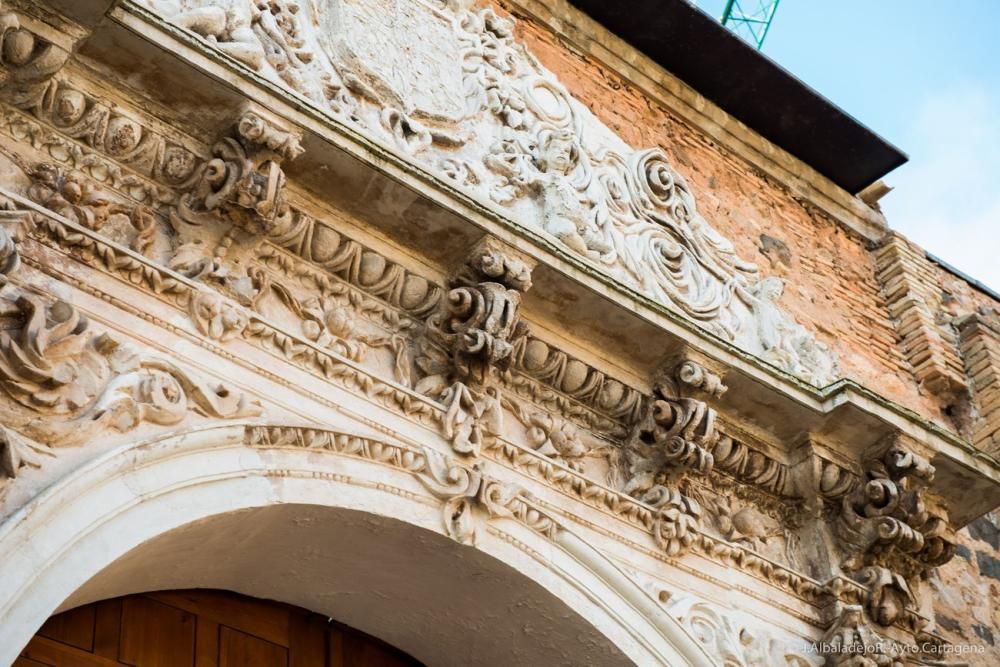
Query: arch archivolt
x,y
136,494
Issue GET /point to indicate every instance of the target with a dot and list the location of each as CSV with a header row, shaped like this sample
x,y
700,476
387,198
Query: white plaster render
x,y
322,531
501,126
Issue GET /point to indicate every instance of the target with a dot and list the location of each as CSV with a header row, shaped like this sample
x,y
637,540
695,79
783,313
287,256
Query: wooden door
x,y
200,628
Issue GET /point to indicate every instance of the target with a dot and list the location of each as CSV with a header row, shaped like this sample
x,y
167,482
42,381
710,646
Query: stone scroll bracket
x,y
891,531
470,340
240,189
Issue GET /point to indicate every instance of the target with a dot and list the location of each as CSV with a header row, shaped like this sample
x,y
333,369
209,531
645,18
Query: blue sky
x,y
926,76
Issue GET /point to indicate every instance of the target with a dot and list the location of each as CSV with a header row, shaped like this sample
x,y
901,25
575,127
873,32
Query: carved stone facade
x,y
379,261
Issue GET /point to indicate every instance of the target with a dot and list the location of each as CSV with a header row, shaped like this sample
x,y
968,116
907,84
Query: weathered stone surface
x,y
425,267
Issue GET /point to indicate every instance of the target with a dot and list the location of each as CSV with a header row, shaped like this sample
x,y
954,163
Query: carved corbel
x,y
29,58
673,439
470,340
892,533
243,184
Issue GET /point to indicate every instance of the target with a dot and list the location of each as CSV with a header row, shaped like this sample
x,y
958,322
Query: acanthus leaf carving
x,y
65,382
18,452
216,317
736,640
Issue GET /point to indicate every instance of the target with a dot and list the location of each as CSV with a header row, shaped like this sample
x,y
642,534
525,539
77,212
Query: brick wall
x,y
830,272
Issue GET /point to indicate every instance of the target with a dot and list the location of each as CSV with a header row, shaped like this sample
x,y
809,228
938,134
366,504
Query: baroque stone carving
x,y
674,438
243,183
696,376
553,436
17,452
735,641
891,534
365,269
450,84
850,642
75,198
216,317
66,382
575,379
469,341
464,492
28,61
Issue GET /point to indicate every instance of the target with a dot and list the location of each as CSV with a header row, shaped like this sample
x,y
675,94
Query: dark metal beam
x,y
752,88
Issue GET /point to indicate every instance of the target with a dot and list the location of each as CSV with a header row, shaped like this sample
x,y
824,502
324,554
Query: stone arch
x,y
282,521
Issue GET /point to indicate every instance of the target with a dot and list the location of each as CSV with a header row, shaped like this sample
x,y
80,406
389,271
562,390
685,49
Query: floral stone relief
x,y
460,94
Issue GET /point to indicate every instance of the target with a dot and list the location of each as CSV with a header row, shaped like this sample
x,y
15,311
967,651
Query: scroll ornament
x,y
891,535
243,184
466,492
469,341
674,439
63,382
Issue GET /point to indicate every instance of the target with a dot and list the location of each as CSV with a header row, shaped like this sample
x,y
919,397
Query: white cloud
x,y
947,198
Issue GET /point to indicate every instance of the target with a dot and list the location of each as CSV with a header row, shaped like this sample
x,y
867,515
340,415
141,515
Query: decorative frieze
x,y
449,84
469,496
66,382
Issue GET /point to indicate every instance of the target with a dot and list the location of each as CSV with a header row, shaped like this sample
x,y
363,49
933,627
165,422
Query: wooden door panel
x,y
154,634
28,662
50,652
238,649
75,628
202,629
264,619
